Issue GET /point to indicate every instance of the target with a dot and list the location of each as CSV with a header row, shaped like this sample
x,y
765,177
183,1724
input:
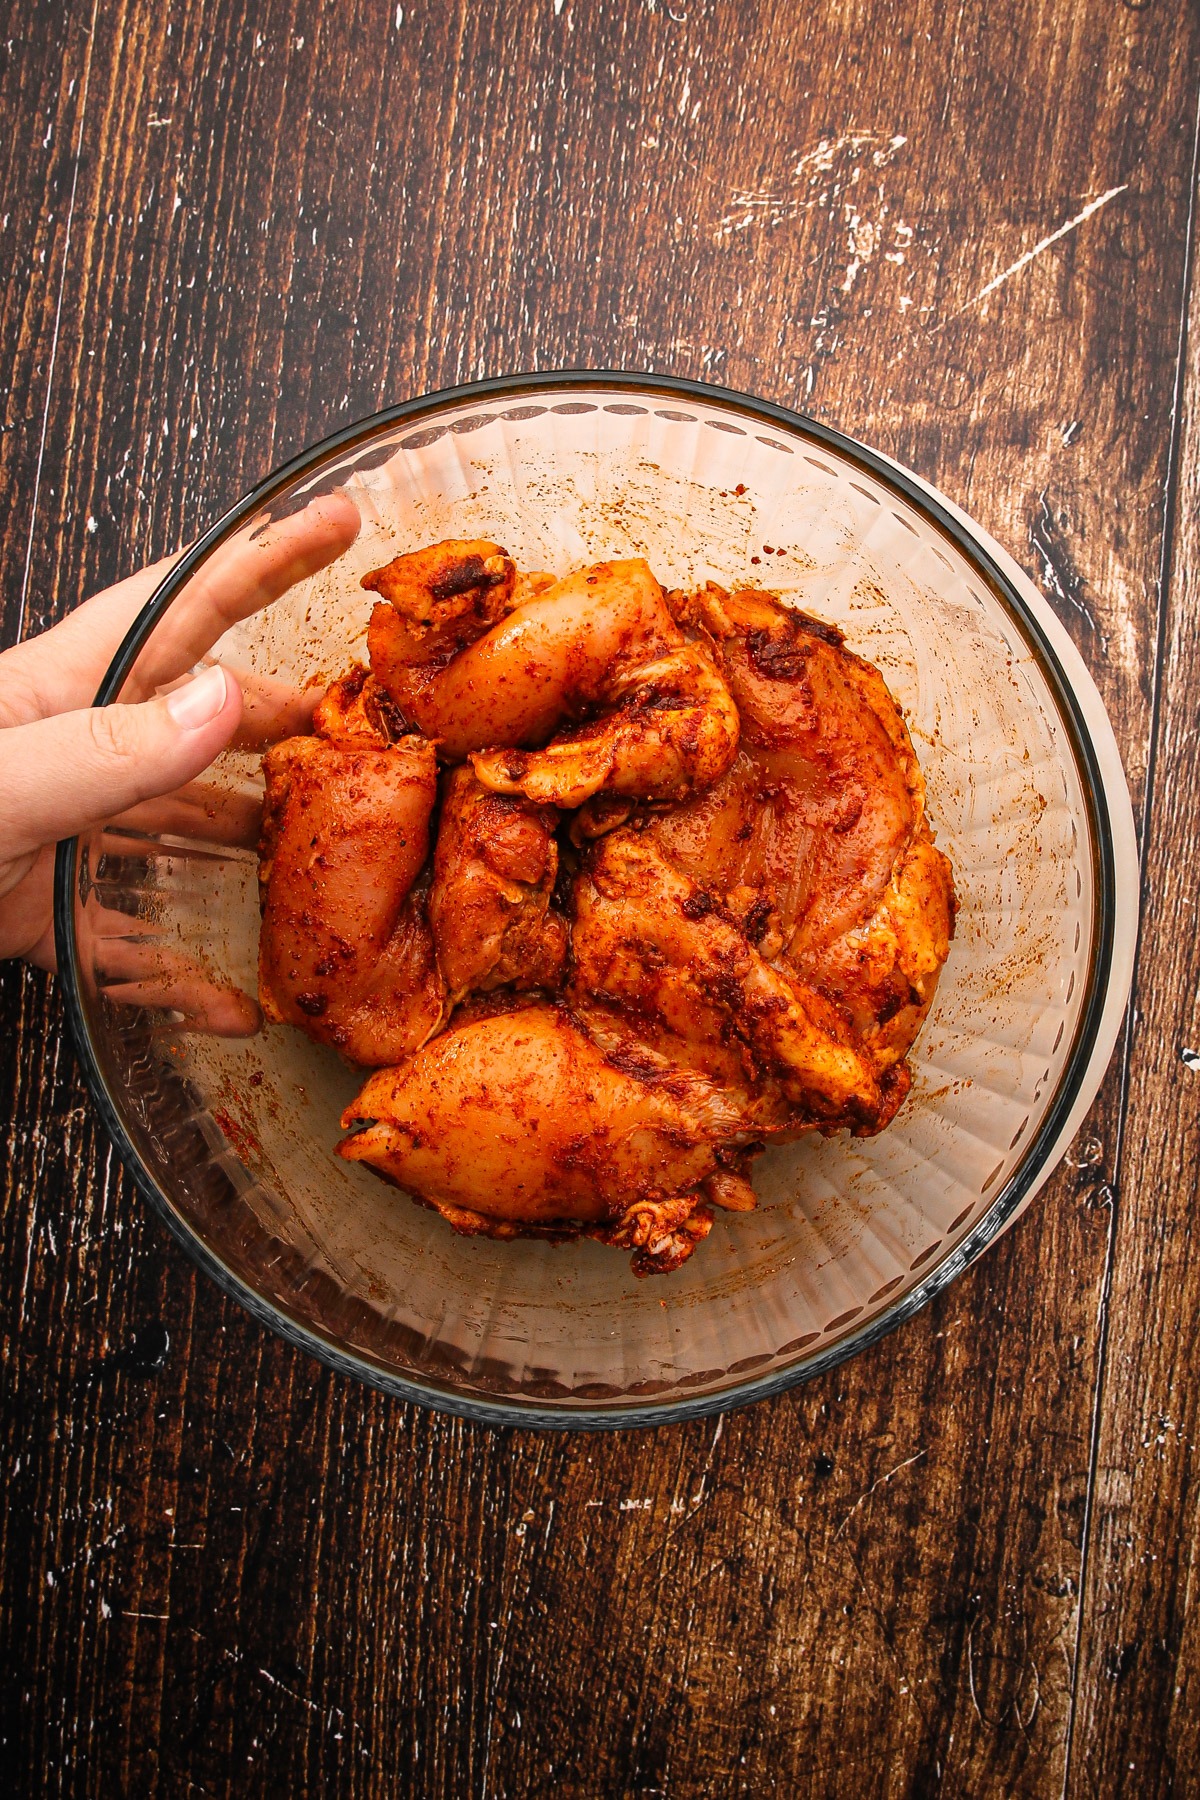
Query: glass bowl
x,y
230,1135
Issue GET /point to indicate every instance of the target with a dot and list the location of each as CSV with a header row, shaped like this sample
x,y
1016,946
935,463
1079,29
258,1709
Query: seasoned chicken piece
x,y
356,710
635,1037
518,1125
660,946
600,645
345,952
494,869
829,749
547,660
820,823
673,729
884,972
435,602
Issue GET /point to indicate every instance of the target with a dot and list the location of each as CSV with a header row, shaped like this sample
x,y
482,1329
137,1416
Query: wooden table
x,y
963,1564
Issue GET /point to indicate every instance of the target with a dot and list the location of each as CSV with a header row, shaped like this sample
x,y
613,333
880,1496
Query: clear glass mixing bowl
x,y
229,1136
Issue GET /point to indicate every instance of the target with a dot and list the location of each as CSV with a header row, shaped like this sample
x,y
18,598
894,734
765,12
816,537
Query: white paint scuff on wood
x,y
817,177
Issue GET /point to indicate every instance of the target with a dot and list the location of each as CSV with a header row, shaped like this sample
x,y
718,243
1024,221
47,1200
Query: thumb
x,y
68,772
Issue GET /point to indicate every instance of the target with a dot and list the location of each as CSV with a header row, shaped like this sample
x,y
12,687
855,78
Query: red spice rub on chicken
x,y
682,899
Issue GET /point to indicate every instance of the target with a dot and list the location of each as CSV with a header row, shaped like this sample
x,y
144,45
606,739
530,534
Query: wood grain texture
x,y
41,100
1139,1652
226,1571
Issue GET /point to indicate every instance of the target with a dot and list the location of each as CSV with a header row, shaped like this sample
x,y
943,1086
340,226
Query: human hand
x,y
69,766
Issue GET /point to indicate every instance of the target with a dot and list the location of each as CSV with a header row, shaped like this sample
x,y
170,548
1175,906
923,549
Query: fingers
x,y
27,909
64,774
242,577
62,669
201,1004
133,967
198,815
149,976
273,710
130,964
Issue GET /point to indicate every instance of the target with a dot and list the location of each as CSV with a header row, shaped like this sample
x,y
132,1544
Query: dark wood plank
x,y
1136,1730
44,76
227,1571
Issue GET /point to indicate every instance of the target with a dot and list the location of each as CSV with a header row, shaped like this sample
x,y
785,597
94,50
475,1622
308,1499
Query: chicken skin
x,y
818,830
544,662
683,899
518,1125
829,753
660,946
345,952
357,710
673,729
494,869
600,645
434,603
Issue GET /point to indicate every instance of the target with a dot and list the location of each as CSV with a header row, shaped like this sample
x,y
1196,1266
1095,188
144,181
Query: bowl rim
x,y
1035,1165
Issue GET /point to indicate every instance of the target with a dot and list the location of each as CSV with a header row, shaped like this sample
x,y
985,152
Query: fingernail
x,y
200,701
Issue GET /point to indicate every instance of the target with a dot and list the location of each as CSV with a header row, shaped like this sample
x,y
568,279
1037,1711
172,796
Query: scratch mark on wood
x,y
1039,249
882,1482
1059,573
